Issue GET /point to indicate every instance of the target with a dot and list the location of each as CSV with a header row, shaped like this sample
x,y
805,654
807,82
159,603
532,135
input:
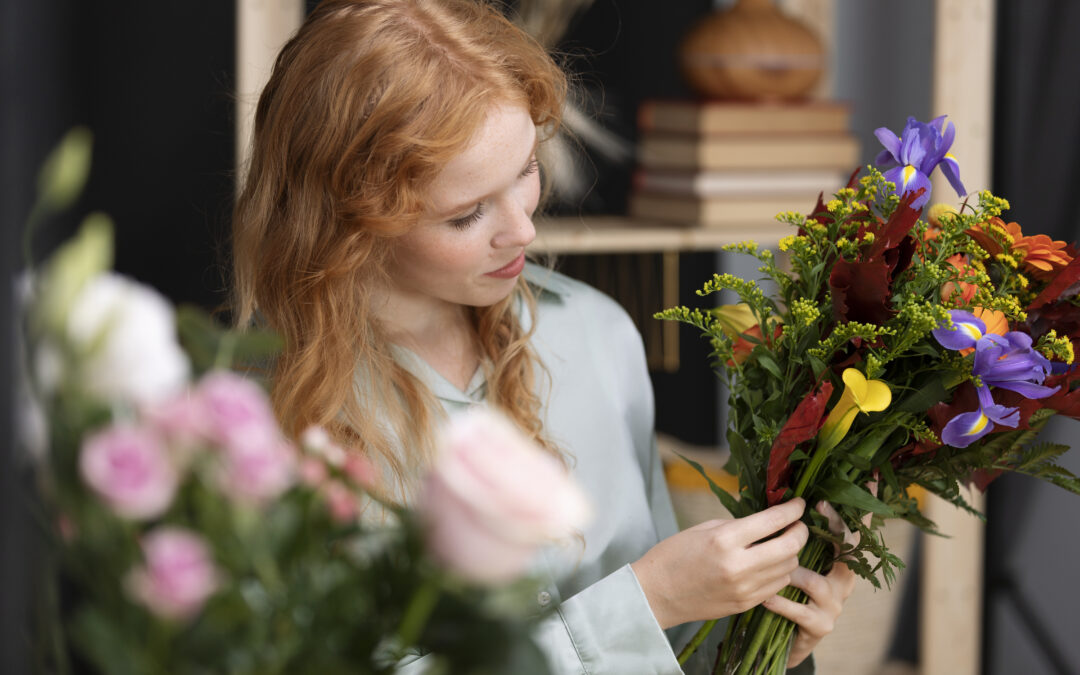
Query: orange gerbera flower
x,y
965,290
995,320
1042,256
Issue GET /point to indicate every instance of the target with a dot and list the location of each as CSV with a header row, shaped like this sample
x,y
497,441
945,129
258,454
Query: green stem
x,y
417,613
696,641
57,643
37,212
224,357
769,646
811,470
749,655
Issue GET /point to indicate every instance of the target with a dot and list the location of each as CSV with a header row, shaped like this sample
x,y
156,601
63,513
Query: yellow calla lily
x,y
735,319
860,395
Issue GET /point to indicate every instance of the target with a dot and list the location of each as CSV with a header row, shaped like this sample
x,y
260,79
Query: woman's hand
x,y
827,595
719,568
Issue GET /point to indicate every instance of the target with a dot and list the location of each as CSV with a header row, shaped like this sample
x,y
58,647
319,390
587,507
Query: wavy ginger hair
x,y
366,104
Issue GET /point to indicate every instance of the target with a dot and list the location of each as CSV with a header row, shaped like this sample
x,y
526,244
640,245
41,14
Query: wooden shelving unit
x,y
616,234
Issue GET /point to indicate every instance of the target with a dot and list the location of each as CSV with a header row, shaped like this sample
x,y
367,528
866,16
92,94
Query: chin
x,y
493,296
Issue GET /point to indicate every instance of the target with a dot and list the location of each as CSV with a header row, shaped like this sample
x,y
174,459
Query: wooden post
x,y
951,594
262,27
820,17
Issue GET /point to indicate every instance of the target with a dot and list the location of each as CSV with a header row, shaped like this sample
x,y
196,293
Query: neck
x,y
438,332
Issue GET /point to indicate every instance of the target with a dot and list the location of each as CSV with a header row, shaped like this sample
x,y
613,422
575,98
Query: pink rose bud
x,y
178,575
341,502
494,497
317,441
257,473
360,470
312,472
238,411
130,469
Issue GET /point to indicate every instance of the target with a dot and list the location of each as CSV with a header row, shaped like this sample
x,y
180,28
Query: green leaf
x,y
798,455
80,259
1037,460
63,176
840,491
931,393
730,503
113,650
211,345
767,362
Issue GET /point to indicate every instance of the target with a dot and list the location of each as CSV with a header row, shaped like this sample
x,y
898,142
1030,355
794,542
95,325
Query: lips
x,y
510,270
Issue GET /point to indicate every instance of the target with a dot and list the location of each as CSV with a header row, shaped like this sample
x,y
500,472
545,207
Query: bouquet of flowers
x,y
186,534
899,349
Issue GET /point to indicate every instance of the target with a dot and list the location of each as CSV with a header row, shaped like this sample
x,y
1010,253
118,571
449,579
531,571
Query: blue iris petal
x,y
1003,361
890,156
968,330
907,179
924,146
966,428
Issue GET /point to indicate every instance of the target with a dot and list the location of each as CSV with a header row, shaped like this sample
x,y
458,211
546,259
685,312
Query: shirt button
x,y
543,598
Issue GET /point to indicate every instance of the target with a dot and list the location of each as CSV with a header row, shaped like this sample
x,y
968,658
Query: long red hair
x,y
366,103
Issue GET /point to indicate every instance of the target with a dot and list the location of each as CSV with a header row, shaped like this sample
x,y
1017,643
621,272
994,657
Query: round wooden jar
x,y
752,51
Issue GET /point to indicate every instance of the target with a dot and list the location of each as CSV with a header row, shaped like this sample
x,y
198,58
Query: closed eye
x,y
531,168
465,222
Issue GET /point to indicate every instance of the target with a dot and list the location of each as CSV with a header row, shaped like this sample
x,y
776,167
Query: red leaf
x,y
983,477
897,228
1064,280
1066,401
860,291
803,425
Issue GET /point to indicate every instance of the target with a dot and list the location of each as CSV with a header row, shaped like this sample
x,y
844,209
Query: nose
x,y
516,230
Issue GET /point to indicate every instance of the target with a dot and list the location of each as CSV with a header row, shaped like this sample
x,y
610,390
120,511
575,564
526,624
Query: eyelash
x,y
471,219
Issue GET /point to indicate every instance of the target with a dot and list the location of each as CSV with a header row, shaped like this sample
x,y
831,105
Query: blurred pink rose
x,y
341,502
258,472
312,472
317,441
178,575
494,497
183,419
360,470
130,469
238,410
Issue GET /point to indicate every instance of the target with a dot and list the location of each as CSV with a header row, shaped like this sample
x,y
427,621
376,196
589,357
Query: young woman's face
x,y
469,246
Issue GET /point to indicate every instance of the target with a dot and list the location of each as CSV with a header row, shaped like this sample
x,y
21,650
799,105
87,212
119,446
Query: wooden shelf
x,y
616,234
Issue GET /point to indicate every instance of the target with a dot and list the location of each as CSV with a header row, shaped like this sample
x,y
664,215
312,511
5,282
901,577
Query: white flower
x,y
128,333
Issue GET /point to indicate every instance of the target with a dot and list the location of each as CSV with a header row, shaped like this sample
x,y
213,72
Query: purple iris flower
x,y
1006,361
966,332
913,156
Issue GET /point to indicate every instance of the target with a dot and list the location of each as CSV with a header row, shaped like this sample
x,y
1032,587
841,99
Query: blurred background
x,y
157,85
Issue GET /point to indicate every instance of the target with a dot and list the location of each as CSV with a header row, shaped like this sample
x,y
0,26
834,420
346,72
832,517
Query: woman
x,y
382,230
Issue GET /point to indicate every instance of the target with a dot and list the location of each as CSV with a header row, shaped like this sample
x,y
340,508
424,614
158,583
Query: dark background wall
x,y
153,80
1032,597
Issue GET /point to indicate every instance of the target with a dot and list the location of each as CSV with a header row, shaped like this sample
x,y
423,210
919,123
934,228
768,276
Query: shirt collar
x,y
547,281
442,388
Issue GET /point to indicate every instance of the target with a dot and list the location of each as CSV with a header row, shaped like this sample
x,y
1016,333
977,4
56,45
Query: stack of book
x,y
725,163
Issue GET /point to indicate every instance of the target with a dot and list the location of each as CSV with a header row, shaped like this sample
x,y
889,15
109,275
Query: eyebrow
x,y
453,211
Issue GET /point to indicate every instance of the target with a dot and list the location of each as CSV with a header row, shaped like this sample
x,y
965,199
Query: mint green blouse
x,y
599,410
